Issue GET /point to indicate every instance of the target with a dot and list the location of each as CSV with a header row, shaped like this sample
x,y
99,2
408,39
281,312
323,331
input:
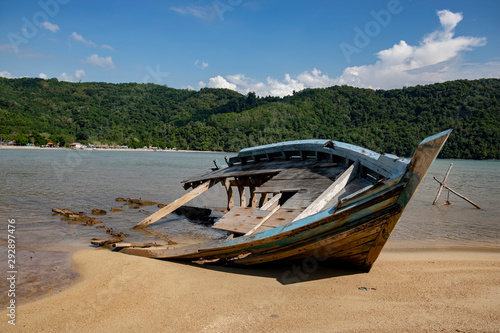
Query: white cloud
x,y
437,58
43,76
107,47
200,64
80,38
104,62
204,13
6,75
51,27
79,74
220,82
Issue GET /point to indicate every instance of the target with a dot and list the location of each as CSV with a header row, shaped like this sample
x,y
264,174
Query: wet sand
x,y
406,291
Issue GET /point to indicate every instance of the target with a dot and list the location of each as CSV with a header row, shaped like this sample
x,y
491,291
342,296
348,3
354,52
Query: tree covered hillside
x,y
137,115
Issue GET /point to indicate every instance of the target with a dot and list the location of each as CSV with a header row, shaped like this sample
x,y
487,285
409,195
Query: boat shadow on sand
x,y
286,273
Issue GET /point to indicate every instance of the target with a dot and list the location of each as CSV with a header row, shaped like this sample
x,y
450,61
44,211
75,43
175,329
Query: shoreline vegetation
x,y
39,111
405,291
109,149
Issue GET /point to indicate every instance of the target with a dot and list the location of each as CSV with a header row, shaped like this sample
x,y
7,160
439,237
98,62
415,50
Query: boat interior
x,y
273,185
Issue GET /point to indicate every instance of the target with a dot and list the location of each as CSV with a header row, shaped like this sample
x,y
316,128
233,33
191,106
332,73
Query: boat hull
x,y
352,232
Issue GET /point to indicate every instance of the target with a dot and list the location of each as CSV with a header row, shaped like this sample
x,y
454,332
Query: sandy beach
x,y
406,291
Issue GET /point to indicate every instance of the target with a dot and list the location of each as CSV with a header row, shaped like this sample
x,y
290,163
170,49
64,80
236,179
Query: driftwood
x,y
102,242
63,211
140,245
97,211
139,202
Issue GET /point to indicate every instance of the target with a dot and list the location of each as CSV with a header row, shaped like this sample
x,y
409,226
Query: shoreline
x,y
113,149
410,291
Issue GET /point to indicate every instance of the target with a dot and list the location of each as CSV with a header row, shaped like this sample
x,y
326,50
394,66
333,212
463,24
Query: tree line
x,y
392,121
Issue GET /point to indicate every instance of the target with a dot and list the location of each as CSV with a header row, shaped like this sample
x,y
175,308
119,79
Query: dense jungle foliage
x,y
393,121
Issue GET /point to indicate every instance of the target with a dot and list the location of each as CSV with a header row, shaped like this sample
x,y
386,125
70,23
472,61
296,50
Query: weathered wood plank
x,y
229,190
284,185
268,216
241,219
272,203
330,192
174,205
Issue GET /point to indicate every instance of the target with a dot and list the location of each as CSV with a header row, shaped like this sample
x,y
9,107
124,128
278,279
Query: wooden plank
x,y
173,205
275,186
282,217
241,191
229,190
268,216
330,192
253,196
241,219
272,203
263,199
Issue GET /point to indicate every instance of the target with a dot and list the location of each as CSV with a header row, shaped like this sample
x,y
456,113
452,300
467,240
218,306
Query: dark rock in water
x,y
100,227
91,221
97,211
120,235
194,213
113,209
109,231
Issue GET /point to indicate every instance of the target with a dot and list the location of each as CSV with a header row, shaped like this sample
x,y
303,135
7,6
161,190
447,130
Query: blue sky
x,y
271,47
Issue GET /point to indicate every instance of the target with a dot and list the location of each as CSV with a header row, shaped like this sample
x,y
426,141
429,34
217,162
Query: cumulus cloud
x,y
6,75
104,62
220,82
51,27
437,58
43,76
79,75
79,38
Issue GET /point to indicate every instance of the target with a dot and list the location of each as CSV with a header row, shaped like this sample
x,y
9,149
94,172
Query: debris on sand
x,y
102,242
97,211
139,201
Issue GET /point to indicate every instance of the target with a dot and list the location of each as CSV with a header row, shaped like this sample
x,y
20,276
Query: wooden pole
x,y
457,194
444,181
173,205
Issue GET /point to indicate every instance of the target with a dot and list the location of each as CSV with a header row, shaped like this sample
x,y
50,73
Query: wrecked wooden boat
x,y
321,199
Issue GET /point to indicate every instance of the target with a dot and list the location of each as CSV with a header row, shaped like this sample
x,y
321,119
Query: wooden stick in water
x,y
442,186
457,194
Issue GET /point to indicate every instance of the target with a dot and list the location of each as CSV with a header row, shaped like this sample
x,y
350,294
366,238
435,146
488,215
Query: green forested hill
x,y
137,115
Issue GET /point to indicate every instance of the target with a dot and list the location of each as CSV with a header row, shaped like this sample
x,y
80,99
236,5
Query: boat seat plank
x,y
281,217
264,168
240,219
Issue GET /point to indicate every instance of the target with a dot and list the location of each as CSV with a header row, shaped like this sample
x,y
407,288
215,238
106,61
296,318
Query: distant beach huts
x,y
77,145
